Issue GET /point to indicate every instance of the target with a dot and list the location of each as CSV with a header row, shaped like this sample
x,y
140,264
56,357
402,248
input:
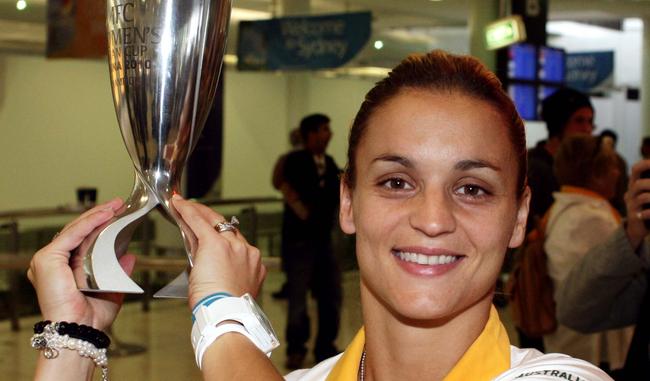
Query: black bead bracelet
x,y
78,331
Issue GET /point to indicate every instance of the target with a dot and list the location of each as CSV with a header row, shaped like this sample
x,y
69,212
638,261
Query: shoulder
x,y
331,162
296,160
579,210
317,373
297,155
532,365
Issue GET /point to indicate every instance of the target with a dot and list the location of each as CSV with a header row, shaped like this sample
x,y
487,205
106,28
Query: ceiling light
x,y
238,14
379,44
21,4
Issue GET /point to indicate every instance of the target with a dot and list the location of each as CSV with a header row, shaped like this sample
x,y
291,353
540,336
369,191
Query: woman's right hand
x,y
223,262
52,277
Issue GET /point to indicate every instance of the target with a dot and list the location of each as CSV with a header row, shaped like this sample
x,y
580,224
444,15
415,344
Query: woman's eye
x,y
472,190
396,183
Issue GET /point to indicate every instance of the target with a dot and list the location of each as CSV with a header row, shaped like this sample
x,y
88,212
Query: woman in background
x,y
580,219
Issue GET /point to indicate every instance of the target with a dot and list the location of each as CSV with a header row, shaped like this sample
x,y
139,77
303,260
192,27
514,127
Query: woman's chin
x,y
425,310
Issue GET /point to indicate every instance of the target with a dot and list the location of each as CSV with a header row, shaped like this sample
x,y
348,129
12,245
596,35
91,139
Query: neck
x,y
431,348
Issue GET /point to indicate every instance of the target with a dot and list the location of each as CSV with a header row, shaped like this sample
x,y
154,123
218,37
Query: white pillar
x,y
481,13
645,79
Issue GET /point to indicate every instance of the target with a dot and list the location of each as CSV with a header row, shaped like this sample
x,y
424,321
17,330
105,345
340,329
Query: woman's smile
x,y
424,261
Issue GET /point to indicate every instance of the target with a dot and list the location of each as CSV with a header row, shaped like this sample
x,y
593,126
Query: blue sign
x,y
296,43
589,71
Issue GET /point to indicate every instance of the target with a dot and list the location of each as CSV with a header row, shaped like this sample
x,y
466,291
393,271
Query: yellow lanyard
x,y
485,359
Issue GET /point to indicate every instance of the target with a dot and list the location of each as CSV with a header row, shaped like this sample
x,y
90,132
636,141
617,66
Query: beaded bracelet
x,y
52,337
78,331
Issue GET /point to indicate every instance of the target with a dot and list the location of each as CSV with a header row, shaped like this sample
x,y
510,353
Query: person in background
x,y
435,192
581,218
290,198
566,112
309,260
608,289
618,201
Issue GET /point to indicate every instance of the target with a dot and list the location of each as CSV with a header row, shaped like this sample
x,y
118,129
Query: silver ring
x,y
227,226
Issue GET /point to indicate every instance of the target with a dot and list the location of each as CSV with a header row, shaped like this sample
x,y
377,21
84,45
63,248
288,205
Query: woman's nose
x,y
432,213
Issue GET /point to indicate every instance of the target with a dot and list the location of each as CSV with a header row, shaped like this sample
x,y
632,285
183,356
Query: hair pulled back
x,y
439,71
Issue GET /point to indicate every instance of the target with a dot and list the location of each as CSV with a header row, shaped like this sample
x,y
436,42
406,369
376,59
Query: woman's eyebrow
x,y
466,165
396,159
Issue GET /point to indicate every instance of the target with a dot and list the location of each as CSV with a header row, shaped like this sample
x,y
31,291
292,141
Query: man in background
x,y
307,237
566,112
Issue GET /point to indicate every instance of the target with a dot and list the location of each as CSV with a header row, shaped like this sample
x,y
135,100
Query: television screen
x,y
545,91
525,98
522,62
551,64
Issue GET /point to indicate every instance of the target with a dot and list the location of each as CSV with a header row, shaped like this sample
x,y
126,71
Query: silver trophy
x,y
165,57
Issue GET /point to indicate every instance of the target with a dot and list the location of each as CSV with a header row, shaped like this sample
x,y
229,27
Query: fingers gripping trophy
x,y
165,57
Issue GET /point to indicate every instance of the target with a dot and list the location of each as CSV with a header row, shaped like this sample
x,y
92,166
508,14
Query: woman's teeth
x,y
422,259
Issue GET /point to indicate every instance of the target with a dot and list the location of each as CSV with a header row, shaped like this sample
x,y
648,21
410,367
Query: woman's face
x,y
435,204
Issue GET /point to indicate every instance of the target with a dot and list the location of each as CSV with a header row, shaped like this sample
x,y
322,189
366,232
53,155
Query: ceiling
x,y
404,25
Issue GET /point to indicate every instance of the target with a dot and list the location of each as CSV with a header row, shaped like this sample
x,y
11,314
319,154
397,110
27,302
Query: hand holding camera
x,y
637,200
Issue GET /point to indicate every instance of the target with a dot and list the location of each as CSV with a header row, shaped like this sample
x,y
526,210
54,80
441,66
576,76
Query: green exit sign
x,y
504,32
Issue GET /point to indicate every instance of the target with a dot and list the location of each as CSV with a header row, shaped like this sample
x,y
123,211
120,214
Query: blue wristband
x,y
206,301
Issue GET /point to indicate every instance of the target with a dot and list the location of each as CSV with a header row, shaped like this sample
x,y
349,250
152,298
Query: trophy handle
x,y
95,264
178,287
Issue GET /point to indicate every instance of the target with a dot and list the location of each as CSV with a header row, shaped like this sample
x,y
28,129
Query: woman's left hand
x,y
223,262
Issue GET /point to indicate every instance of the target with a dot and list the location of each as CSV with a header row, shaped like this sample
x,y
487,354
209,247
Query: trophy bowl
x,y
164,57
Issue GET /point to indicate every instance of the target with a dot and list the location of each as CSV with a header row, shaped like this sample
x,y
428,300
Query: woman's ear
x,y
346,215
519,230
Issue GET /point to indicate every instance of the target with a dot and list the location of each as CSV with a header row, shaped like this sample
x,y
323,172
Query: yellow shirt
x,y
488,356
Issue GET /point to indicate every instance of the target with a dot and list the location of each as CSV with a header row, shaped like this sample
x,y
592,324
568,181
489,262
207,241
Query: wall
x,y
58,130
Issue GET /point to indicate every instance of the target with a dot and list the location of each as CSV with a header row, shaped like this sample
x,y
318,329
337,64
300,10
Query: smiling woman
x,y
435,191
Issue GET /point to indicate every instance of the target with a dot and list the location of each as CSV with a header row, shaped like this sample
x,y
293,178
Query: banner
x,y
297,43
589,72
76,28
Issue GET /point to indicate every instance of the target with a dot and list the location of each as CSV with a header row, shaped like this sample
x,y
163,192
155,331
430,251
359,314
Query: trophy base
x,y
176,289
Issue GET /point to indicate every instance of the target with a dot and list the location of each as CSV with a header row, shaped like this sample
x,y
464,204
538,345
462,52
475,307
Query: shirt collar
x,y
488,356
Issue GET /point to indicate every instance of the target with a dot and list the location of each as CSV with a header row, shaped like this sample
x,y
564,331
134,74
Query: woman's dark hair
x,y
439,71
558,108
580,158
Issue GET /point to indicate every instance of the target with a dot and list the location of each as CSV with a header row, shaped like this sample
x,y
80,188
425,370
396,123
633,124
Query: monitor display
x,y
525,98
545,91
551,64
522,61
